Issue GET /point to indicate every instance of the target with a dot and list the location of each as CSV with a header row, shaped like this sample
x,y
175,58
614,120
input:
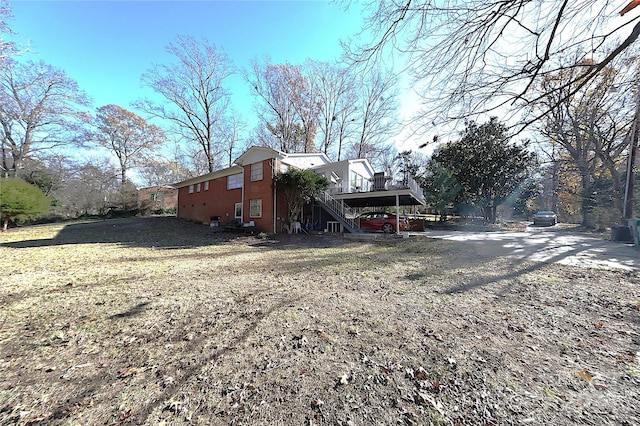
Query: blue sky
x,y
107,45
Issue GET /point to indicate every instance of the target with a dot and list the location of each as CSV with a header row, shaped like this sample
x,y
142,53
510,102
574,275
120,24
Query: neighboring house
x,y
158,198
244,193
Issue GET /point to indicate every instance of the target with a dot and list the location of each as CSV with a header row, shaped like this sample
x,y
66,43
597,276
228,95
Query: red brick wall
x,y
216,201
260,189
219,201
169,201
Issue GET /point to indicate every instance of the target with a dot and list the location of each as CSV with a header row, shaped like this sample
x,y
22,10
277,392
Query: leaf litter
x,y
169,322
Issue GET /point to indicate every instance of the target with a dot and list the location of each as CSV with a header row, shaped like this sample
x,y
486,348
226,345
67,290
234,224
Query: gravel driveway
x,y
549,245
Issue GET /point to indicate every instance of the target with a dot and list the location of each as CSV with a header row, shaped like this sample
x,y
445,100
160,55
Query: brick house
x,y
244,193
158,198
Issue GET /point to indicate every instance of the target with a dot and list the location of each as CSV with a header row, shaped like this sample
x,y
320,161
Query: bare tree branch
x,y
473,57
193,86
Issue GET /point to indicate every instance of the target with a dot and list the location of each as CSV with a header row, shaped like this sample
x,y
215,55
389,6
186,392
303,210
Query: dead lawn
x,y
157,321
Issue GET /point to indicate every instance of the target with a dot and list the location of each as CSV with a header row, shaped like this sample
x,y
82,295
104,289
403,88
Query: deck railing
x,y
410,183
340,209
416,189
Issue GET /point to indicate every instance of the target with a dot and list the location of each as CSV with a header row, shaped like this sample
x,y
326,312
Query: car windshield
x,y
545,213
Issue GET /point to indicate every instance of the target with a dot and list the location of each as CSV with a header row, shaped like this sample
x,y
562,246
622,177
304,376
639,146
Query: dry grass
x,y
156,321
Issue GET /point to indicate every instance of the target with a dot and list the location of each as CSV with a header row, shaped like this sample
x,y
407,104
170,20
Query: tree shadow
x,y
137,309
168,233
532,266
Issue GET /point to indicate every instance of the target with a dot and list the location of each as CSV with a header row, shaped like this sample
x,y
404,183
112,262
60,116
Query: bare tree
x,y
128,136
230,129
346,121
471,57
195,98
337,99
7,47
161,171
287,105
40,109
89,187
588,126
375,116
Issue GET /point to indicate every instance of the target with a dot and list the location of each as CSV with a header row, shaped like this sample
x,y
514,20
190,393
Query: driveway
x,y
548,244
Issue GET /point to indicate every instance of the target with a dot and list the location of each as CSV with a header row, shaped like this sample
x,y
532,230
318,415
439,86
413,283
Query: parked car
x,y
544,218
381,221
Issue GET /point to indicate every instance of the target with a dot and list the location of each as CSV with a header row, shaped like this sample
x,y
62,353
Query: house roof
x,y
306,160
313,161
233,170
258,153
157,187
298,159
338,164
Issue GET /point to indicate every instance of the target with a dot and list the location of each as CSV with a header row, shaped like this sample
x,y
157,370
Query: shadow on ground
x,y
147,232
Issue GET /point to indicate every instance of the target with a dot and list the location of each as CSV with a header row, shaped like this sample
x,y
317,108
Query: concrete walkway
x,y
548,245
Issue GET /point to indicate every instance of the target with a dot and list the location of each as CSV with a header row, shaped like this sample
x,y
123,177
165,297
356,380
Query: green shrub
x,y
20,200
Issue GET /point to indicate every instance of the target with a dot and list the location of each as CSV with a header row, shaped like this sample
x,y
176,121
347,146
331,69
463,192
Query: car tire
x,y
387,228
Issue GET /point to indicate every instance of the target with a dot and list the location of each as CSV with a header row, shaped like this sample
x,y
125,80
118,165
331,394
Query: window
x,y
190,189
234,181
256,171
238,210
356,182
255,208
206,186
198,188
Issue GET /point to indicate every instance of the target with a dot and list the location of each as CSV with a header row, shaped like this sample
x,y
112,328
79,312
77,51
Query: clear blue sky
x,y
107,45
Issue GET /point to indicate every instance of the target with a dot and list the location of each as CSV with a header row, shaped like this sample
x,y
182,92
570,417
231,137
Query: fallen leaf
x,y
124,415
344,379
129,372
420,373
584,375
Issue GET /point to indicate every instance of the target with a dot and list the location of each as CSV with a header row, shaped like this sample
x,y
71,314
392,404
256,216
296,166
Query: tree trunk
x,y
629,190
489,213
587,202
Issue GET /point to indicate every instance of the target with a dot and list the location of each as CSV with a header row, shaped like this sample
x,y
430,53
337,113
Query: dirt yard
x,y
156,321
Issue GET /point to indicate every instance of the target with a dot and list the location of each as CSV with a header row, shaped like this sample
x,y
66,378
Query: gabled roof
x,y
258,153
313,161
298,159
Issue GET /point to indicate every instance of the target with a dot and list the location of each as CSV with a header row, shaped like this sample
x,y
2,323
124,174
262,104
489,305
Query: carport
x,y
411,196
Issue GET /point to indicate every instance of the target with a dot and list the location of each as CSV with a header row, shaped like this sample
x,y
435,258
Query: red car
x,y
380,221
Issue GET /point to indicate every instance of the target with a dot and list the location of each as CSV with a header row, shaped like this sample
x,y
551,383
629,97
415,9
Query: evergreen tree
x,y
486,165
20,200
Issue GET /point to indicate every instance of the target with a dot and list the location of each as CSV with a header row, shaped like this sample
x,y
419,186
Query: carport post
x,y
397,214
